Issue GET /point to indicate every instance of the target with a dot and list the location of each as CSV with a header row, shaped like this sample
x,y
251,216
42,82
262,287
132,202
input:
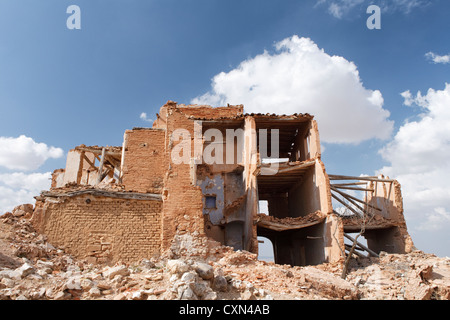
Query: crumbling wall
x,y
251,160
144,160
74,167
58,178
183,198
394,238
183,208
101,229
208,112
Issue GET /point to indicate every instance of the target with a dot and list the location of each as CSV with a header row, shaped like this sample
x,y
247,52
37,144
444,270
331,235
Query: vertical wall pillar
x,y
251,186
74,167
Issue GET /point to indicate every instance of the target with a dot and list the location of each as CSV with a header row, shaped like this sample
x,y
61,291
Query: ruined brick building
x,y
127,203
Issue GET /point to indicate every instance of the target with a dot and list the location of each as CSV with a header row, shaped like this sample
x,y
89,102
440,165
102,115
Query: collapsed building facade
x,y
206,171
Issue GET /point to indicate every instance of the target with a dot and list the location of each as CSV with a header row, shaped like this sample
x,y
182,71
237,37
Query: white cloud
x,y
24,154
437,58
418,100
301,78
339,8
419,158
342,8
18,188
436,220
405,6
143,117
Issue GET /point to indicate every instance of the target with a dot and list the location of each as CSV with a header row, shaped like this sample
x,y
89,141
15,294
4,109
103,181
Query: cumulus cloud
x,y
419,158
437,58
301,78
24,154
17,188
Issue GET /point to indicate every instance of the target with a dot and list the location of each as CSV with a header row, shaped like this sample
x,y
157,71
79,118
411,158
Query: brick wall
x,y
144,164
102,229
183,206
208,112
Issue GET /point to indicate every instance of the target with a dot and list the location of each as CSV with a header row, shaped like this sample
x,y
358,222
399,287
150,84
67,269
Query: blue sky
x,y
60,88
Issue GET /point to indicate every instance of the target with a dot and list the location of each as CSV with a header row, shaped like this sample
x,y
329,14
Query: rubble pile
x,y
197,268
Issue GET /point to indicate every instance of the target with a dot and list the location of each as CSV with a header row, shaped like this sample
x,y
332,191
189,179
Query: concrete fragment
x,y
110,273
95,292
189,277
148,264
86,284
248,295
25,270
120,296
425,272
199,288
73,283
61,295
186,293
205,271
177,266
211,295
328,283
220,283
8,283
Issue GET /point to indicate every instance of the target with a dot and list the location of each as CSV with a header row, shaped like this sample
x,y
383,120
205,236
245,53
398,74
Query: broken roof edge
x,y
98,149
260,116
290,223
240,115
102,193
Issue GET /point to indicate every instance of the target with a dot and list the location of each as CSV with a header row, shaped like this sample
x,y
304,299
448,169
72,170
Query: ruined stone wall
x,y
144,162
183,206
208,112
58,178
396,239
101,229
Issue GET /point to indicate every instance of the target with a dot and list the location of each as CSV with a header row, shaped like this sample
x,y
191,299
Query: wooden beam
x,y
346,204
348,184
354,203
373,253
349,247
337,177
98,151
356,199
89,161
291,168
100,167
113,161
353,188
104,174
279,226
105,193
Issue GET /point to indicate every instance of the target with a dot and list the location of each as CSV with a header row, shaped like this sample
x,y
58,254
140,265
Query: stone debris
x,y
199,269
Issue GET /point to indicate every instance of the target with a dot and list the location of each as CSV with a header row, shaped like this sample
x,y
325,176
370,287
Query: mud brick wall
x,y
144,164
102,229
207,112
183,206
